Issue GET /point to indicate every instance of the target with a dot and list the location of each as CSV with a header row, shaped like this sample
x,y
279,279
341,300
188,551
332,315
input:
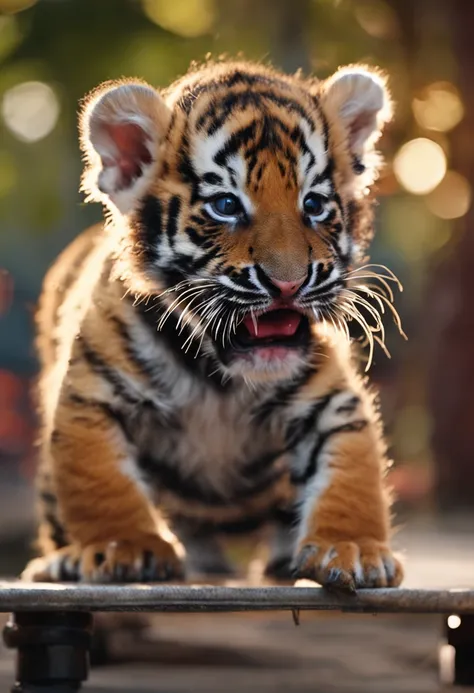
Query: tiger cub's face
x,y
244,195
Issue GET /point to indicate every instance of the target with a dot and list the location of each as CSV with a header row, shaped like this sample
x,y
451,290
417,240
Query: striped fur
x,y
157,431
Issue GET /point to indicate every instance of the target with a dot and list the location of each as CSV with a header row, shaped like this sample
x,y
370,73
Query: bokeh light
x,y
377,18
439,107
30,110
189,18
451,199
420,165
11,6
454,621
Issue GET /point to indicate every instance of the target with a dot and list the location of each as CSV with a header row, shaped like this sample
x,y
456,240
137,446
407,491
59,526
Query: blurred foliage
x,y
73,45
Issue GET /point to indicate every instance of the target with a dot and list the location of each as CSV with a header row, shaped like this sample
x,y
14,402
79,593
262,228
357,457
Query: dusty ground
x,y
266,653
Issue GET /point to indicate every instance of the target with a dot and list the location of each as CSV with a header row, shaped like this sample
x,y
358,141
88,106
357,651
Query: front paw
x,y
147,559
348,565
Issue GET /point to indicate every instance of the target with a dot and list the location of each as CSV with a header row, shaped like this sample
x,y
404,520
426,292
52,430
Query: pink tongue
x,y
281,323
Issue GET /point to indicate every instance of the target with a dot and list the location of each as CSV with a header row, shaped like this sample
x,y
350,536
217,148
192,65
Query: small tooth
x,y
255,324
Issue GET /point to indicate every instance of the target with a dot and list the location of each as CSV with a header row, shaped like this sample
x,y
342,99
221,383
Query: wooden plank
x,y
20,596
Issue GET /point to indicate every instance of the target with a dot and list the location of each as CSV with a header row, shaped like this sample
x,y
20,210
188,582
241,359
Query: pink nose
x,y
288,288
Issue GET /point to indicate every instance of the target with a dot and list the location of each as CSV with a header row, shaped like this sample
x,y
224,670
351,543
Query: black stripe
x,y
269,137
282,396
101,367
194,235
297,136
174,207
140,363
48,498
190,487
212,178
349,407
199,219
235,142
299,428
312,467
49,515
287,517
185,167
265,280
251,79
244,526
252,161
242,98
229,104
124,422
325,175
205,367
324,120
147,226
242,278
319,291
283,101
323,273
337,199
204,260
261,465
189,96
57,532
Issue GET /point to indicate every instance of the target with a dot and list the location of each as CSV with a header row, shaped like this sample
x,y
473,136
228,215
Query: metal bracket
x,y
52,650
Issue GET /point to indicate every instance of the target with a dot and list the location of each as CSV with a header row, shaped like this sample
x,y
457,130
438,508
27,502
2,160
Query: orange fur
x,y
139,434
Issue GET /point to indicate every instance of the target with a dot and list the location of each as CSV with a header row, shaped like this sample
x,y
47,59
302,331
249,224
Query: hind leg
x,y
204,553
282,546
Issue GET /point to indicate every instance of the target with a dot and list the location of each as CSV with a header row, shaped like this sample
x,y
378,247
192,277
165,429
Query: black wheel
x,y
52,650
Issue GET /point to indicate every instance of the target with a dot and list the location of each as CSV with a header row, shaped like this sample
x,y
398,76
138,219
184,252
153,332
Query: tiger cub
x,y
197,375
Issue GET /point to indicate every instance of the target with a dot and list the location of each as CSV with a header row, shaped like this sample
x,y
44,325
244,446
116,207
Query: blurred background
x,y
53,51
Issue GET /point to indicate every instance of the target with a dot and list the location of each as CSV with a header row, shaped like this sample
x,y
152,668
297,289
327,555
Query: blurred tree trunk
x,y
281,27
451,307
289,38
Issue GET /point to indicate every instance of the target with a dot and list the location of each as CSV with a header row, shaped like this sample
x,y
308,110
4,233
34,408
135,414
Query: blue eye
x,y
225,207
315,206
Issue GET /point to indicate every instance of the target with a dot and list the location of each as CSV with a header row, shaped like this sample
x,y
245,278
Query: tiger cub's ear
x,y
122,127
360,98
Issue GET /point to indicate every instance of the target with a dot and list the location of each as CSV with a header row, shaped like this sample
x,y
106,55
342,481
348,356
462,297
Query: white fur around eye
x,y
210,208
320,217
224,218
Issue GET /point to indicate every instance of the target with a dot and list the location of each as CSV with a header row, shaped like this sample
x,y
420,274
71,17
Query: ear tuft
x,y
360,97
122,126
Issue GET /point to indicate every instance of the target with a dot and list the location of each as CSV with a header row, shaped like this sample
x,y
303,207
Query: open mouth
x,y
281,327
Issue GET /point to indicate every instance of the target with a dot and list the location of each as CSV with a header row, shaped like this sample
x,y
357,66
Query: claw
x,y
299,564
340,580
